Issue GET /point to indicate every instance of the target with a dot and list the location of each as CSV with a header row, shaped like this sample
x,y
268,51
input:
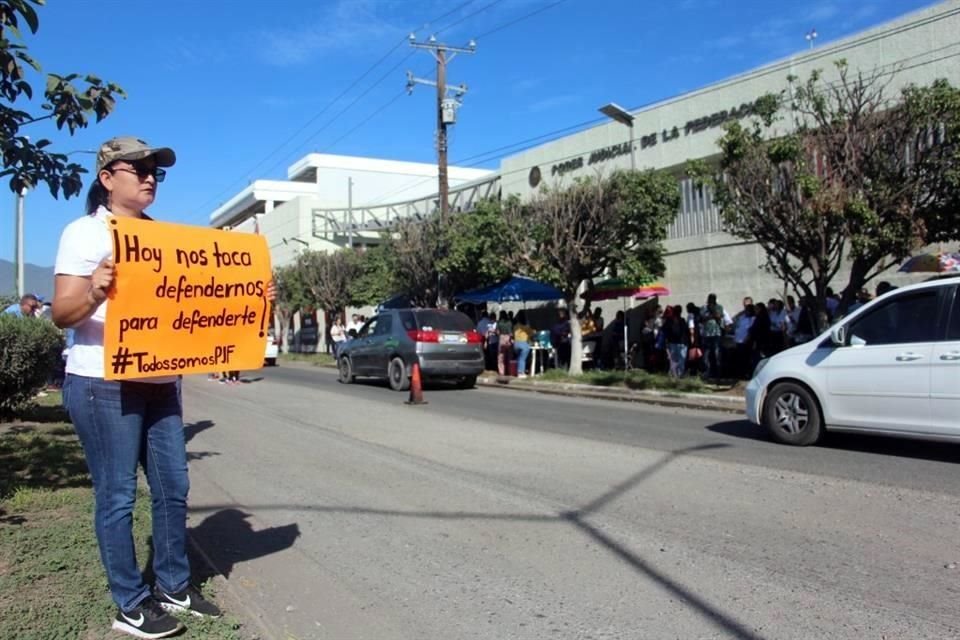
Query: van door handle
x,y
909,357
951,355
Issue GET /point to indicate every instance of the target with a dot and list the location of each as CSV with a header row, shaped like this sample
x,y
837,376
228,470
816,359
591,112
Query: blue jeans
x,y
523,352
711,355
122,425
678,358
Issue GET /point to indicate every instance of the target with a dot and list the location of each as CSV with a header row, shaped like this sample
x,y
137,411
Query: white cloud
x,y
348,25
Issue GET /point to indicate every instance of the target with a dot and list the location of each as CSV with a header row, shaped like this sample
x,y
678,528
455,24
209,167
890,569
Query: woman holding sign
x,y
123,424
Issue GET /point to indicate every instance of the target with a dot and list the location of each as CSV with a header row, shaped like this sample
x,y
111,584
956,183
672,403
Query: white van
x,y
891,367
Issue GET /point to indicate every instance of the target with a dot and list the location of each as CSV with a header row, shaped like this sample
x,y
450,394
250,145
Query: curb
x,y
710,402
731,404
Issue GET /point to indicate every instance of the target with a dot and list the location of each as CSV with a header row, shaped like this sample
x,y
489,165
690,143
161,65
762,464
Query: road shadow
x,y
740,429
891,446
227,538
250,380
191,429
874,444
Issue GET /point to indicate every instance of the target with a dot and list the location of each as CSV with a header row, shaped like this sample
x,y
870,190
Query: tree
x,y
327,277
475,253
71,101
413,249
292,296
860,180
566,236
374,282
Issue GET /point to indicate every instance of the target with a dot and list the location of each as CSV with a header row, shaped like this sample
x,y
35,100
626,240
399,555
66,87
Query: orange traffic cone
x,y
416,387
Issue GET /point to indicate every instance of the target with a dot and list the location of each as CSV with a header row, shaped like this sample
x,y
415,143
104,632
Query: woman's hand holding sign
x,y
101,280
271,294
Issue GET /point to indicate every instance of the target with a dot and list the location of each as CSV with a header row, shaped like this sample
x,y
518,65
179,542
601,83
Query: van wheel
x,y
345,370
397,374
792,415
467,382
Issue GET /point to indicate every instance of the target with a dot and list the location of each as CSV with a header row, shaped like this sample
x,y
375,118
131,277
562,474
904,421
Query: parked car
x,y
273,349
892,367
443,342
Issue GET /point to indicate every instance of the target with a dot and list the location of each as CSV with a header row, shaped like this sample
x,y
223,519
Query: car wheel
x,y
345,369
792,415
467,382
397,374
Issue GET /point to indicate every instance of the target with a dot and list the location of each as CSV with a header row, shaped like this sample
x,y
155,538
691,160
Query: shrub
x,y
30,350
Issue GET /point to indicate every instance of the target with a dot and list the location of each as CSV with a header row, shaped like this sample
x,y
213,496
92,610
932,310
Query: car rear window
x,y
443,320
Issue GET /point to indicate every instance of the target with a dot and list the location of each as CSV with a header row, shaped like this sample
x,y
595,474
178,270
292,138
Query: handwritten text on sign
x,y
186,300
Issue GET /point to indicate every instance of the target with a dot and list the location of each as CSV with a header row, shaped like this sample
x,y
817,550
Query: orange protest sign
x,y
185,300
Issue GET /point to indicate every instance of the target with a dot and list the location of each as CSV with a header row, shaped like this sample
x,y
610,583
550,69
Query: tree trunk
x,y
576,339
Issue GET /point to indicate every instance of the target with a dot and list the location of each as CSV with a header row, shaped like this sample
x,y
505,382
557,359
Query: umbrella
x,y
651,291
516,289
932,263
613,288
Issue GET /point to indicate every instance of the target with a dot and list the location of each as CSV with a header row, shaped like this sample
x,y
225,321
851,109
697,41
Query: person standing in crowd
x,y
493,342
863,297
483,328
598,320
711,331
28,306
778,326
338,334
504,342
675,333
522,339
760,338
560,336
122,424
354,325
695,350
741,336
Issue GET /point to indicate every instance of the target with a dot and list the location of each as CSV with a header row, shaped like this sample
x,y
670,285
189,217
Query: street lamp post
x,y
18,242
616,112
18,258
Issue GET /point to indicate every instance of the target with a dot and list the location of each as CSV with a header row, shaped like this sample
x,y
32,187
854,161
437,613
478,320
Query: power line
x,y
339,96
520,19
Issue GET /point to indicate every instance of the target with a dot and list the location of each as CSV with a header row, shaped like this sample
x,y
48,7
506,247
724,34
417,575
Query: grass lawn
x,y
52,585
632,380
316,359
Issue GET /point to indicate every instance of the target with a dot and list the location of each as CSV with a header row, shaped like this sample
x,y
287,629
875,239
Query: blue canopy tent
x,y
516,289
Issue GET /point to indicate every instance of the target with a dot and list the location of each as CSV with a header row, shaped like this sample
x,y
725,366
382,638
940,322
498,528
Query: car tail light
x,y
424,336
474,337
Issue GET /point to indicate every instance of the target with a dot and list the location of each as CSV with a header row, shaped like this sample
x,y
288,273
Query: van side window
x,y
904,319
953,330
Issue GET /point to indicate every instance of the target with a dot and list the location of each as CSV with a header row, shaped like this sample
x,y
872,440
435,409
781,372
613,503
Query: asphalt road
x,y
338,512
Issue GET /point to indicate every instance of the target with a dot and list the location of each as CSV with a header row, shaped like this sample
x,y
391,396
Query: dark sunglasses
x,y
143,171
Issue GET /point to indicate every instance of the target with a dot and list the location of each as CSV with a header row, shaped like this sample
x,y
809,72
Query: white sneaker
x,y
523,375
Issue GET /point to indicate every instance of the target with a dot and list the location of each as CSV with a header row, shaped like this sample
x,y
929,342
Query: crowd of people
x,y
706,340
702,340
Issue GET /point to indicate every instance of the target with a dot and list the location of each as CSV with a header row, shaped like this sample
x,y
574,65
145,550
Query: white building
x,y
290,213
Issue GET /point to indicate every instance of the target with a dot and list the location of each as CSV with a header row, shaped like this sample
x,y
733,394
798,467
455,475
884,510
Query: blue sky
x,y
227,82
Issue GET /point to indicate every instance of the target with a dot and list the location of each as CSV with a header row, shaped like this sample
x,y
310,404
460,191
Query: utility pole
x,y
446,106
350,212
18,242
